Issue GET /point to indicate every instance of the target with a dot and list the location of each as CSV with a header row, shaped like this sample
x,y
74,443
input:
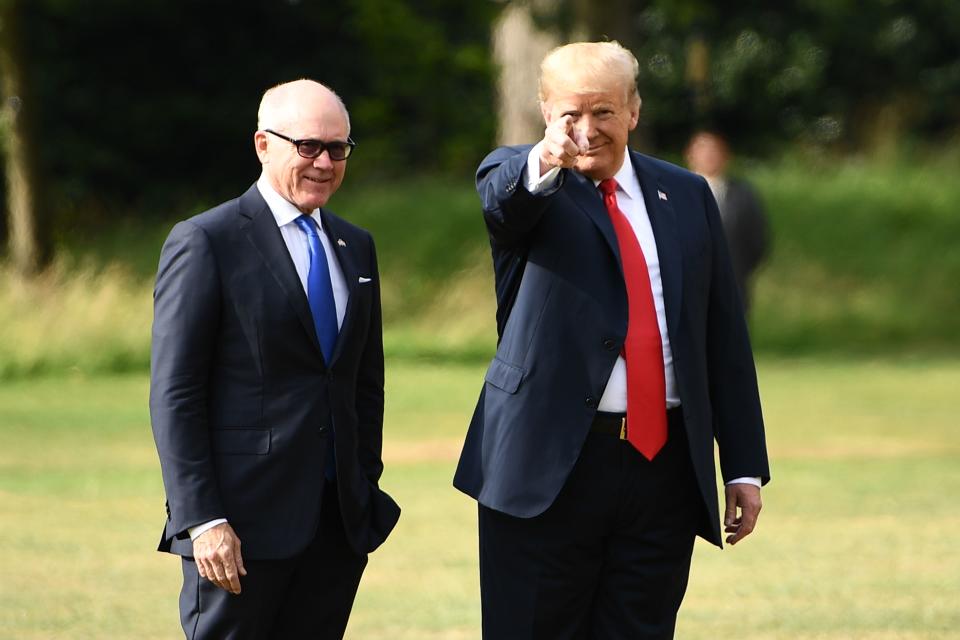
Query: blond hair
x,y
588,67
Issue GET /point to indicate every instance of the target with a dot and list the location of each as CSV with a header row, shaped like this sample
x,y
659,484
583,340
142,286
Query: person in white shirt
x,y
622,357
266,391
744,219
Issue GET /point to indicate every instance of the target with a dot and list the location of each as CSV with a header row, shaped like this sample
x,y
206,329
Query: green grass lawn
x,y
857,538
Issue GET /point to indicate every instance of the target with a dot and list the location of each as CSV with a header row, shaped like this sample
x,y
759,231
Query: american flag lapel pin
x,y
341,242
661,195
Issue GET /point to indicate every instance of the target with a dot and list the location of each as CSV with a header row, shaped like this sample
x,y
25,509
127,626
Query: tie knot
x,y
307,224
608,187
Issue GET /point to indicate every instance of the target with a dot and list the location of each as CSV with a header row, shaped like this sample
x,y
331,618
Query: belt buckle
x,y
623,427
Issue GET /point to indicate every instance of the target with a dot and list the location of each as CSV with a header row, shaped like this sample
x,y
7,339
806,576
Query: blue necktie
x,y
323,308
319,289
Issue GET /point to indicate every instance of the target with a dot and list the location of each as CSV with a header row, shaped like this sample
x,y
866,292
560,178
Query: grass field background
x,y
857,539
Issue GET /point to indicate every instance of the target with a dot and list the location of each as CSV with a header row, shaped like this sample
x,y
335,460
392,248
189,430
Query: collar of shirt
x,y
626,178
283,211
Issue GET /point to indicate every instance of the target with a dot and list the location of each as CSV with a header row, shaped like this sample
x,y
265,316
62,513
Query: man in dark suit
x,y
266,393
623,355
744,221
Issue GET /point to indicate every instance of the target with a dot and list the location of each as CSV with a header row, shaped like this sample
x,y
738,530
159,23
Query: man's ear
x,y
635,112
546,111
260,145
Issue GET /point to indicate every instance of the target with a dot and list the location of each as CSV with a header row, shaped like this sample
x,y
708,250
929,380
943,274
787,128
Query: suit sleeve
x,y
509,209
370,380
757,235
186,316
734,394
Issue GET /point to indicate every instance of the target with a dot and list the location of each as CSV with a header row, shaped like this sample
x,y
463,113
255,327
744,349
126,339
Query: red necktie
x,y
643,350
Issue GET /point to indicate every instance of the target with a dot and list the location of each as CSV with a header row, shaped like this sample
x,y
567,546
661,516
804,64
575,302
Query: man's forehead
x,y
591,97
306,119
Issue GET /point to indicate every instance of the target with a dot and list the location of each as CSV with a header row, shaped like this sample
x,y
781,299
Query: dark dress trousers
x,y
243,405
562,321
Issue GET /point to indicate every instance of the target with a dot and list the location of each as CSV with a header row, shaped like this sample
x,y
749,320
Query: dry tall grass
x,y
77,319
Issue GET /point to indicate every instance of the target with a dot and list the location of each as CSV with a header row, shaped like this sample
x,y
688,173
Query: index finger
x,y
230,569
566,122
748,518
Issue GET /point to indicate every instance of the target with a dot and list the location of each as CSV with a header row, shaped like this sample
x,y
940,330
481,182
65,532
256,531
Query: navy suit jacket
x,y
242,403
562,320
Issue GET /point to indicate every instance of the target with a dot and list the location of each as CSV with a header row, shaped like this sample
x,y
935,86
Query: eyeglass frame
x,y
349,145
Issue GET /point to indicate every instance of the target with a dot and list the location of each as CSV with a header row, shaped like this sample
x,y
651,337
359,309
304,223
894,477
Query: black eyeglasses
x,y
309,148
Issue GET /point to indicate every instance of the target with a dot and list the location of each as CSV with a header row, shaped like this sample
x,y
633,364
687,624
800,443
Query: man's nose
x,y
323,160
585,126
584,130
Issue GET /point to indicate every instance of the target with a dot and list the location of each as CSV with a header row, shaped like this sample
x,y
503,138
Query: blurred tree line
x,y
116,108
853,75
135,108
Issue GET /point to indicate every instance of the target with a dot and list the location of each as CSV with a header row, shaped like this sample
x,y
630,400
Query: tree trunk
x,y
518,47
27,240
525,32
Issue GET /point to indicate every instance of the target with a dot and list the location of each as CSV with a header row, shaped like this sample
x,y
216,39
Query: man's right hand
x,y
217,554
562,144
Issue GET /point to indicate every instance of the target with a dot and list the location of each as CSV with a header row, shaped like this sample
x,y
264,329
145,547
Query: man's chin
x,y
595,168
311,202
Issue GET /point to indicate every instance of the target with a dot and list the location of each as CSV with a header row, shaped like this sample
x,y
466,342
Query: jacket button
x,y
322,430
609,344
591,402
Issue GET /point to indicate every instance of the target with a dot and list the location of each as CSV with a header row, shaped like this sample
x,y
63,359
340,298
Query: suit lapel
x,y
260,227
585,195
666,231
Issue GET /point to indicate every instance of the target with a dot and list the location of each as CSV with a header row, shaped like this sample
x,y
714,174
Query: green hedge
x,y
865,261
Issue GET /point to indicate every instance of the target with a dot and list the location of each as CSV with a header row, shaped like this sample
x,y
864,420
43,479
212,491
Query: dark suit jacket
x,y
241,401
745,225
562,320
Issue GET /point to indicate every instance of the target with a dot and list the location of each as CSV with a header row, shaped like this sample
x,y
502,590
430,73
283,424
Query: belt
x,y
615,424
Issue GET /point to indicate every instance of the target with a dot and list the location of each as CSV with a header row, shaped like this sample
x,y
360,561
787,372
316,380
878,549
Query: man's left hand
x,y
746,498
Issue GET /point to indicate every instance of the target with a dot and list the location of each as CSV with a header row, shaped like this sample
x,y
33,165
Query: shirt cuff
x,y
203,528
754,481
535,182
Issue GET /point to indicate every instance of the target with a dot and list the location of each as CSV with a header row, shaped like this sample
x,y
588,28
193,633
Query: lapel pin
x,y
661,194
341,242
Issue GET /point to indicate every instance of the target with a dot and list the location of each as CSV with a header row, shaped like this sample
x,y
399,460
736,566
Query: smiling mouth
x,y
592,151
317,180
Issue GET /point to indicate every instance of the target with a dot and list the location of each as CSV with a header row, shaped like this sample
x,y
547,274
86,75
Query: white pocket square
x,y
364,280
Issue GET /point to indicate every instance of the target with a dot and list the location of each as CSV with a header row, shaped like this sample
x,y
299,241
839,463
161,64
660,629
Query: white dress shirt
x,y
631,203
297,244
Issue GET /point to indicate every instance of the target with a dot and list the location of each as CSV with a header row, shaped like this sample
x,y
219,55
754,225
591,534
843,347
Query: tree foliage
x,y
150,102
142,105
836,72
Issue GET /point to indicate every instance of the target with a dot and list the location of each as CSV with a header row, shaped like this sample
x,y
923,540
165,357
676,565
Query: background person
x,y
744,220
623,355
266,392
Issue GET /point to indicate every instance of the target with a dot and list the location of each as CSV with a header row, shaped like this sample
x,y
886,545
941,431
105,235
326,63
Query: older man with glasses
x,y
266,393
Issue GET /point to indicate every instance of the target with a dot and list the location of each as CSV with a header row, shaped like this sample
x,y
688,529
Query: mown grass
x,y
856,540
